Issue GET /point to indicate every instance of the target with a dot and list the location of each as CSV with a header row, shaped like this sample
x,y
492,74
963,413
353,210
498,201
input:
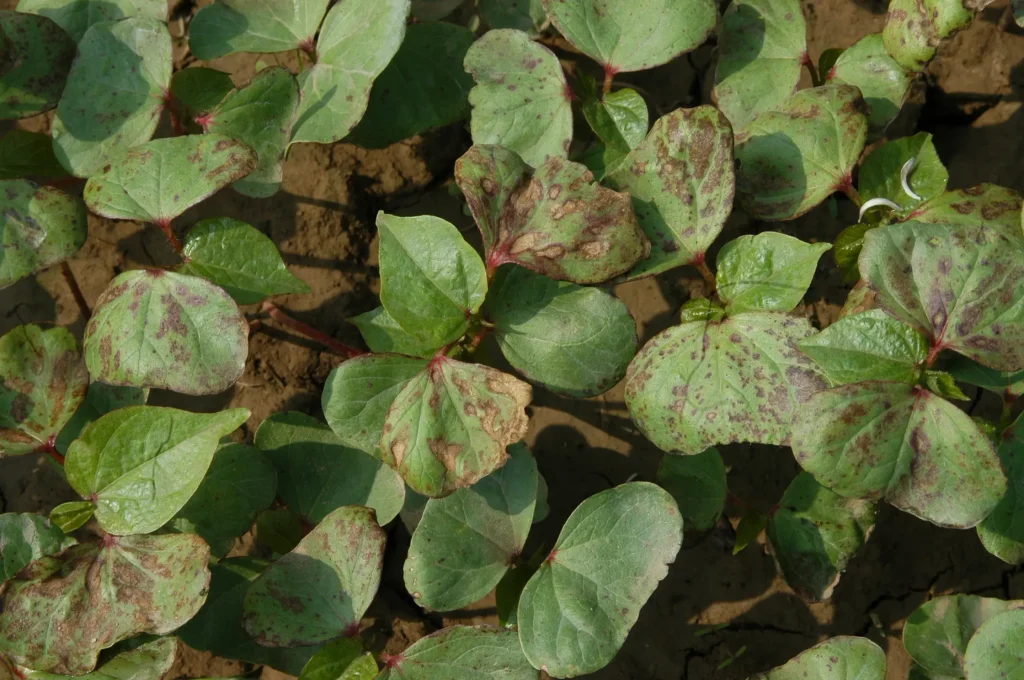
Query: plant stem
x,y
851,193
76,292
307,47
50,449
327,341
165,227
809,63
609,76
709,276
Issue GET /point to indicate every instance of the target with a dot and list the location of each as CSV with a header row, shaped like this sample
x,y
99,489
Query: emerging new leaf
x,y
883,82
39,227
40,54
383,335
619,119
72,515
24,538
1002,532
881,175
462,652
342,659
76,16
915,28
839,658
698,485
995,650
229,26
769,271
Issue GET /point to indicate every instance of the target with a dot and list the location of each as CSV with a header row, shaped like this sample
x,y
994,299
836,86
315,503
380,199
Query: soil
x,y
715,615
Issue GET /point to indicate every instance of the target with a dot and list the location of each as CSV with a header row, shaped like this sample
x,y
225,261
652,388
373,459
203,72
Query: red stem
x,y
327,341
171,104
76,292
707,274
165,227
609,78
50,449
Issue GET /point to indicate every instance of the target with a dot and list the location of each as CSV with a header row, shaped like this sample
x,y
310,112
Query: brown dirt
x,y
323,222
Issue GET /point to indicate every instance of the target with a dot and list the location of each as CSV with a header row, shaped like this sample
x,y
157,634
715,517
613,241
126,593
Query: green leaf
x,y
228,26
450,425
871,345
160,180
358,394
28,154
827,59
114,93
521,100
357,40
149,661
39,227
814,534
279,529
383,335
200,89
847,249
42,382
769,271
100,400
937,634
139,465
317,474
963,287
423,87
101,593
239,258
902,443
24,538
510,587
762,46
1002,532
944,385
839,658
701,309
76,16
883,82
915,28
73,515
465,543
793,158
555,220
993,206
706,383
995,650
317,591
633,36
524,15
153,328
971,372
432,281
576,611
573,340
880,173
40,54
462,653
342,659
619,119
432,10
750,526
698,485
682,183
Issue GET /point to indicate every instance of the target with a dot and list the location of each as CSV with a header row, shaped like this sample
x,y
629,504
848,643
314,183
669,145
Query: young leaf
x,y
573,340
28,154
523,15
114,93
423,87
555,220
698,485
200,89
915,28
239,258
139,465
160,180
41,226
153,328
963,287
793,158
450,425
432,281
100,400
769,271
24,538
869,346
317,474
706,383
357,40
72,515
521,100
944,385
317,591
881,172
762,47
465,543
76,16
359,392
102,593
995,650
814,533
633,36
149,661
619,119
40,53
42,382
342,659
682,183
383,335
750,526
1002,532
701,309
229,26
279,529
985,204
576,611
462,653
883,82
902,443
839,658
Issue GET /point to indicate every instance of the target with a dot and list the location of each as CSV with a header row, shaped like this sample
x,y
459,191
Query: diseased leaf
x,y
100,400
317,591
880,173
279,529
524,15
698,485
682,183
24,538
149,661
102,593
555,220
1002,532
39,54
153,328
39,227
383,335
768,271
462,653
76,16
72,516
521,100
573,340
199,89
264,26
915,28
995,650
793,158
239,258
42,382
890,440
840,658
883,82
706,383
993,206
451,423
576,611
342,659
28,154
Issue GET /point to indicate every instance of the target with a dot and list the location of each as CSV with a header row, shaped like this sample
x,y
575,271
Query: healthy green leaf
x,y
101,593
839,658
264,26
827,59
995,650
239,258
915,28
706,383
24,538
698,485
944,385
279,529
200,89
576,611
317,591
153,328
521,100
462,653
769,271
39,227
1002,532
73,515
450,425
883,82
985,204
28,154
149,661
750,526
40,55
383,335
902,443
432,10
847,249
793,158
701,309
971,372
880,173
76,16
510,587
573,340
619,119
524,15
100,400
342,659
